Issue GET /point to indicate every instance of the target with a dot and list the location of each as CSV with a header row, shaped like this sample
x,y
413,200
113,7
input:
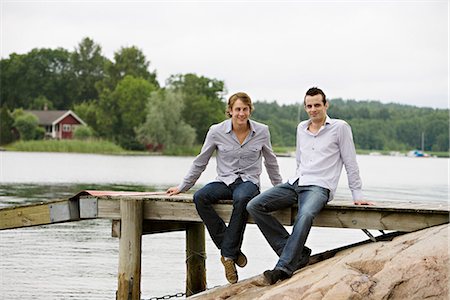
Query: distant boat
x,y
375,153
396,153
417,153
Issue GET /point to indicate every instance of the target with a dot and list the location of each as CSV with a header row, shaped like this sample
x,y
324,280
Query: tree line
x,y
122,101
375,126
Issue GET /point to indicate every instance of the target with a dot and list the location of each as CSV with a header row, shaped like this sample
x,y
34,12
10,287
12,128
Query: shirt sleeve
x,y
270,161
348,155
297,148
200,162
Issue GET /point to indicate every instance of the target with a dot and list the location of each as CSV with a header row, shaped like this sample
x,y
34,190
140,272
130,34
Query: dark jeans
x,y
310,199
228,239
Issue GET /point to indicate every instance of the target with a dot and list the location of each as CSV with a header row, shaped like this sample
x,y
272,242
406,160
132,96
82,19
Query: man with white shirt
x,y
324,145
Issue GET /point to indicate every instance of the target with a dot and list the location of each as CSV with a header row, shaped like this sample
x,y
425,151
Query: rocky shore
x,y
411,266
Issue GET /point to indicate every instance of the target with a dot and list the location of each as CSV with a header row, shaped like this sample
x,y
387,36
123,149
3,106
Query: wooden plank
x,y
185,211
108,208
176,211
24,216
394,206
130,248
115,228
170,211
195,259
386,216
402,216
150,227
39,214
380,220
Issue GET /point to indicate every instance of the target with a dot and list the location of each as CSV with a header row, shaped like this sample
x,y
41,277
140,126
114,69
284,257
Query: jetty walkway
x,y
136,213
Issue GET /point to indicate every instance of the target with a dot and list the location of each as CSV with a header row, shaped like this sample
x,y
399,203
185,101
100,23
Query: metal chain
x,y
177,295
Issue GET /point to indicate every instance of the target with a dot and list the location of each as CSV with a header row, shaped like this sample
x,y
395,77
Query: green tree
x,y
83,133
41,72
436,132
123,110
282,121
41,103
27,125
163,124
375,126
88,65
129,61
89,112
203,101
6,126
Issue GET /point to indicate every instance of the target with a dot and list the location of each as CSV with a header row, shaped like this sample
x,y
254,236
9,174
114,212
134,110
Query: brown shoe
x,y
230,270
241,260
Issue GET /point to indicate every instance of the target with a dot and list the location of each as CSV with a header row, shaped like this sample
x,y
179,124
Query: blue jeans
x,y
310,199
228,239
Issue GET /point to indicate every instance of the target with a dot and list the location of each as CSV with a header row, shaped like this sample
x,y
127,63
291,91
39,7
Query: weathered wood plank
x,y
39,214
339,215
195,259
176,211
130,248
380,220
402,216
24,216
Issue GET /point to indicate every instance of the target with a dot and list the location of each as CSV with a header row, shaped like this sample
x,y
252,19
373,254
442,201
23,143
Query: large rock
x,y
411,266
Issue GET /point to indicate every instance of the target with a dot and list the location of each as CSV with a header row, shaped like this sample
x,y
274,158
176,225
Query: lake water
x,y
79,260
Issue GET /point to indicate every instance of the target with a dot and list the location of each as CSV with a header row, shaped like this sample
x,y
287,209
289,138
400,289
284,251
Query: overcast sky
x,y
391,51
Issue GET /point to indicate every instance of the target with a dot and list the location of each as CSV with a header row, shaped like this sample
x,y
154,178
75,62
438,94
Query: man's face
x,y
240,112
315,108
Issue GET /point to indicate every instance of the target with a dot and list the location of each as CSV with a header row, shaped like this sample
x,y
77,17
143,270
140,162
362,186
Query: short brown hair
x,y
243,97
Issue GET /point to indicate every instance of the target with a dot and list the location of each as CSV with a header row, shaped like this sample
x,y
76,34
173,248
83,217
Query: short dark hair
x,y
316,91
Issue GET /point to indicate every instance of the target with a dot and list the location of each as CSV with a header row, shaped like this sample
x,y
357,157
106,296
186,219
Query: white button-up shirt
x,y
234,159
320,157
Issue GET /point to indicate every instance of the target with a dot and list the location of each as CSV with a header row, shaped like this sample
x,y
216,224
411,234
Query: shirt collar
x,y
327,121
228,126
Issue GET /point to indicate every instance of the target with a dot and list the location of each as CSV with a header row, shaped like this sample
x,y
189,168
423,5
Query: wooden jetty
x,y
136,213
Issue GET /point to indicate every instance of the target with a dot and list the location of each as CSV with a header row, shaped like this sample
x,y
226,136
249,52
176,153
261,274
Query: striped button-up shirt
x,y
320,157
234,159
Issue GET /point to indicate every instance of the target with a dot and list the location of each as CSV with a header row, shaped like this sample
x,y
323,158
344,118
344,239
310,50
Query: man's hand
x,y
361,202
173,191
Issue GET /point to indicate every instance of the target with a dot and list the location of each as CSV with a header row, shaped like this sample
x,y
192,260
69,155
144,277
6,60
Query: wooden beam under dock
x,y
172,213
39,214
398,216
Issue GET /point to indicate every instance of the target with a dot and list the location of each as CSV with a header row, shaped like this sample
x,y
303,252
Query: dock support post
x,y
130,248
195,258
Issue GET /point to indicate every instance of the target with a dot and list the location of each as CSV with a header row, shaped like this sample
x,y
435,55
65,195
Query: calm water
x,y
79,260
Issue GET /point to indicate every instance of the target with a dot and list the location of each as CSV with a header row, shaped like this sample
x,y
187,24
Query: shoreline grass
x,y
107,147
70,146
